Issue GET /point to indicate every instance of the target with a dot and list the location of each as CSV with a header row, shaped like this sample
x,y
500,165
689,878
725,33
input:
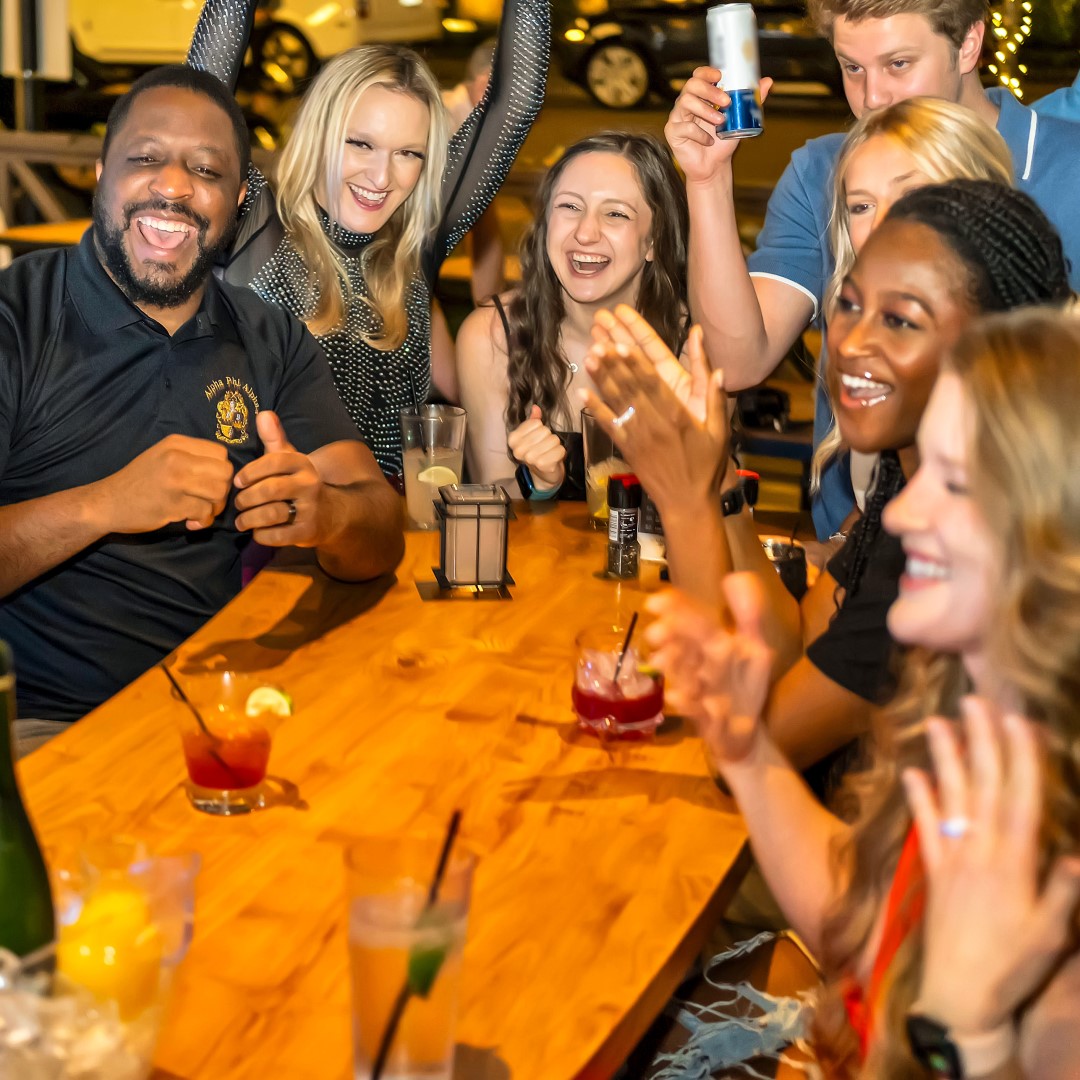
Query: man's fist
x,y
177,479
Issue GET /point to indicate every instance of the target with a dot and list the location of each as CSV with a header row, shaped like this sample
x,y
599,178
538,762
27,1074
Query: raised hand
x,y
534,445
995,924
177,479
691,127
625,326
679,458
715,676
280,498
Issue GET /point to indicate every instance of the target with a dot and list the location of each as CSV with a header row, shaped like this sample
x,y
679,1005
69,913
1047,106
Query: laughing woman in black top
x,y
371,199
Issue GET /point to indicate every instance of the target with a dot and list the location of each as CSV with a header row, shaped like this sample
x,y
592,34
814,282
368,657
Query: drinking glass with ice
x,y
629,706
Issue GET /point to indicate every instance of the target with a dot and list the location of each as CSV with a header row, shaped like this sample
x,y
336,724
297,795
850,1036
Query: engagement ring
x,y
955,827
623,417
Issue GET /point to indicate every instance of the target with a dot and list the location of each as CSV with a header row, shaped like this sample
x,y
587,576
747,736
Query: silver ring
x,y
291,504
623,417
955,828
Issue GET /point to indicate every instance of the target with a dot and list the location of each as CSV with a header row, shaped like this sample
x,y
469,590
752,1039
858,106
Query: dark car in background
x,y
621,50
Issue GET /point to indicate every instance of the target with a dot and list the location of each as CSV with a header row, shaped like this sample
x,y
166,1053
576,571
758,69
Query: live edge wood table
x,y
600,873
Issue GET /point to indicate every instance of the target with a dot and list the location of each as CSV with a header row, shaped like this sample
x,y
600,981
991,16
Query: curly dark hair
x,y
1014,259
536,366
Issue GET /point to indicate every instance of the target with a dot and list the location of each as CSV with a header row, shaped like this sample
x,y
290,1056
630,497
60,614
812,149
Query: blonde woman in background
x,y
887,153
371,199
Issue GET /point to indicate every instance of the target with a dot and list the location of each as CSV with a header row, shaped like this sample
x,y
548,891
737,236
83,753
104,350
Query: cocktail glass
x,y
405,956
90,1006
602,458
630,707
227,744
433,449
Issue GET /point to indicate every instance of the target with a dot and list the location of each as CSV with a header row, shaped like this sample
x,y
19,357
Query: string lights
x,y
1010,25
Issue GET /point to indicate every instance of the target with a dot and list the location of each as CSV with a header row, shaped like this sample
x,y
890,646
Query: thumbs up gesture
x,y
535,445
280,494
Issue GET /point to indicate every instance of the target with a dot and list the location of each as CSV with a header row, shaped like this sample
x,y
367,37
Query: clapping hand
x,y
679,458
996,924
715,676
280,500
626,327
536,446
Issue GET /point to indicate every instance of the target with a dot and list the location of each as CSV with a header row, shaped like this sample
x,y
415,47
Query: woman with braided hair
x,y
945,254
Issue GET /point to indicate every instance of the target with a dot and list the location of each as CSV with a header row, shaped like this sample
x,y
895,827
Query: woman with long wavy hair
x,y
371,198
610,227
945,915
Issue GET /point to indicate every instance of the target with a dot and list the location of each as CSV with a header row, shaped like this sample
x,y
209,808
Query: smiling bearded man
x,y
153,421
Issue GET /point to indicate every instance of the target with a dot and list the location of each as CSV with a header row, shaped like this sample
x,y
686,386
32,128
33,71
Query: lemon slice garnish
x,y
268,699
438,475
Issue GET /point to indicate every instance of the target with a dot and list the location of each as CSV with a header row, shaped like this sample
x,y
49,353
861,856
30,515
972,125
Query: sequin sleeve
x,y
221,38
485,146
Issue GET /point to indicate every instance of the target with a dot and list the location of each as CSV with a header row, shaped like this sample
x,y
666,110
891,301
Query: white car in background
x,y
291,37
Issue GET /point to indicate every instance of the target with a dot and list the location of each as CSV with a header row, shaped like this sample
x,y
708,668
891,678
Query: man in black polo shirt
x,y
153,420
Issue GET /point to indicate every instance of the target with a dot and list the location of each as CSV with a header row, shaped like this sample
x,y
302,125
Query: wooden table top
x,y
600,871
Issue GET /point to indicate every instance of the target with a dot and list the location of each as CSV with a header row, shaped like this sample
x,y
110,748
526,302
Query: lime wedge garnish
x,y
438,475
268,699
424,965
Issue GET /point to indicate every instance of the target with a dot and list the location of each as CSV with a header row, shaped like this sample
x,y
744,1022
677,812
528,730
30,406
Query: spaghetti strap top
x,y
904,911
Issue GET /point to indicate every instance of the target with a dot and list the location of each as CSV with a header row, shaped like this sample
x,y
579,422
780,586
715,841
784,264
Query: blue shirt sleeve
x,y
1063,104
794,242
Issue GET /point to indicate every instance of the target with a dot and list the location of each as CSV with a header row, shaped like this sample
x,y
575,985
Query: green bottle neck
x,y
8,787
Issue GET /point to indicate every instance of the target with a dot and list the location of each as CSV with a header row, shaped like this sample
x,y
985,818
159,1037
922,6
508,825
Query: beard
x,y
157,287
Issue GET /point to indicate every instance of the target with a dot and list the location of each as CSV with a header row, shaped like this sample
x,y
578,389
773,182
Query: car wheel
x,y
617,76
285,59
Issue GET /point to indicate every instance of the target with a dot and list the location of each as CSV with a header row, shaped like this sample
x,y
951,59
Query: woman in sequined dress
x,y
610,228
371,199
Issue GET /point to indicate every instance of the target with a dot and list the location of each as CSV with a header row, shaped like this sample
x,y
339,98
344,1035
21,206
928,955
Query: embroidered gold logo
x,y
234,404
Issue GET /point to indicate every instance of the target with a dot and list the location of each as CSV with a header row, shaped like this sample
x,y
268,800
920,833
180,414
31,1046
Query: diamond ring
x,y
955,827
623,417
291,504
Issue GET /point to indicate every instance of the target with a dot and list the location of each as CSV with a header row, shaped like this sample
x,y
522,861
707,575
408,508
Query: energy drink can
x,y
733,48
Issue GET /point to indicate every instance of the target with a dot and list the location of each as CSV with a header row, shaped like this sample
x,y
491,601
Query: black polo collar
x,y
104,309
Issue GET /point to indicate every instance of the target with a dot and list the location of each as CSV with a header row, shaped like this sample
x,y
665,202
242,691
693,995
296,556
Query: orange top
x,y
907,901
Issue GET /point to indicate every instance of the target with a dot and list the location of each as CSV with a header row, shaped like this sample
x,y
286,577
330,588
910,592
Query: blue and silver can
x,y
733,48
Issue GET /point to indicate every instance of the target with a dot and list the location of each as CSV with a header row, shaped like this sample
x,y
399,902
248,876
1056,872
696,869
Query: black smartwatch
x,y
931,1045
744,493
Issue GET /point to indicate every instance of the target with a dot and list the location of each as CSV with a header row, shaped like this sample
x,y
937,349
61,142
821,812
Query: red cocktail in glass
x,y
629,707
227,746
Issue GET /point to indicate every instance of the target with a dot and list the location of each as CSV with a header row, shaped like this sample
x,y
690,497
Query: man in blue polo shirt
x,y
153,421
888,52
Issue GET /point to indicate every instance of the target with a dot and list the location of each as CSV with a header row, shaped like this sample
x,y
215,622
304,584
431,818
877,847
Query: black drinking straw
x,y
405,993
625,646
198,718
